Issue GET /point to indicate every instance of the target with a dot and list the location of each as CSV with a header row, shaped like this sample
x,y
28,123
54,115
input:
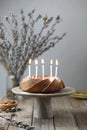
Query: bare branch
x,y
19,42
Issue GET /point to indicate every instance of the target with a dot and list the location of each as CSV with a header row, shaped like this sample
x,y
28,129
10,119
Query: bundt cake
x,y
40,85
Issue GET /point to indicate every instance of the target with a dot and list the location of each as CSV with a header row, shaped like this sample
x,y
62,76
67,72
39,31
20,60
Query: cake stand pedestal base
x,y
42,107
42,102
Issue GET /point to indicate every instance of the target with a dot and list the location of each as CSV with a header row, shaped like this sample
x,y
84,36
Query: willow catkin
x,y
19,40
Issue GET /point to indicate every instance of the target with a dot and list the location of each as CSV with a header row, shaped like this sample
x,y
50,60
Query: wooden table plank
x,y
3,122
79,110
67,128
63,117
69,114
43,124
85,102
25,115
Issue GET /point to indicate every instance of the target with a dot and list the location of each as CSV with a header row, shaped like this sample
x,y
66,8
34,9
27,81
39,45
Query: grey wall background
x,y
72,50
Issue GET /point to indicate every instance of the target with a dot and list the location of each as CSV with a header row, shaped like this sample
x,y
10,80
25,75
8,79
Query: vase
x,y
14,83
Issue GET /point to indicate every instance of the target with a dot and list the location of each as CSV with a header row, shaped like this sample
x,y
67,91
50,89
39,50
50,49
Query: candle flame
x,y
30,61
42,61
51,61
36,62
56,62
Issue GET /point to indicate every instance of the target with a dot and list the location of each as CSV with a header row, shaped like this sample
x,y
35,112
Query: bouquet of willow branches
x,y
19,42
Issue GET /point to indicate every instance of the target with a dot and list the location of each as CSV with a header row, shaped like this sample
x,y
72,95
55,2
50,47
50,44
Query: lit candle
x,y
42,61
36,67
51,62
56,69
29,68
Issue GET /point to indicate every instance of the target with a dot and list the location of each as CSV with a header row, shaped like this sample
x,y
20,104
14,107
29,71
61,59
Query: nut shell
x,y
7,104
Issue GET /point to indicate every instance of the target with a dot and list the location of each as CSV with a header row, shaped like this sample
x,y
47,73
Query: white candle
x,y
51,62
29,68
42,61
36,67
56,69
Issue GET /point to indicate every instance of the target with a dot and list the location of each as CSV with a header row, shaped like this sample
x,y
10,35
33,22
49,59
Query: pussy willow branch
x,y
19,42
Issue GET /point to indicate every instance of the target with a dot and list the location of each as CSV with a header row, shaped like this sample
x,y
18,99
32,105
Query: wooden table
x,y
69,114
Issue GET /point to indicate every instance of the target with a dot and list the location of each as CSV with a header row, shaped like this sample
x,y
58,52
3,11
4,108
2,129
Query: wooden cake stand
x,y
42,102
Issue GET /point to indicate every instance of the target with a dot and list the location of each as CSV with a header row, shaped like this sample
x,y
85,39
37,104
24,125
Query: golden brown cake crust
x,y
27,83
40,85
